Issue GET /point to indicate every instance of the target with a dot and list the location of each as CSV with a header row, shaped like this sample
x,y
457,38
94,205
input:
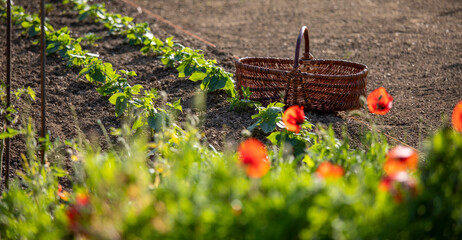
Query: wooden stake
x,y
42,65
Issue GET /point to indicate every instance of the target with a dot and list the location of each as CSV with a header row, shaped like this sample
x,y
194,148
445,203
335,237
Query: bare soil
x,y
412,48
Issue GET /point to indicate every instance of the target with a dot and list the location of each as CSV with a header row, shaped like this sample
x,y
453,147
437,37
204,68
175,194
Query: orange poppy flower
x,y
293,118
399,159
379,101
329,170
457,117
63,195
252,154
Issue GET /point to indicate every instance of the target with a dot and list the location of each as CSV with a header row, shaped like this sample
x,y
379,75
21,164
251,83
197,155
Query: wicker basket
x,y
325,85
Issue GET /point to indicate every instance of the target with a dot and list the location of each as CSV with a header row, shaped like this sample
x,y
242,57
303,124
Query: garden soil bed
x,y
411,48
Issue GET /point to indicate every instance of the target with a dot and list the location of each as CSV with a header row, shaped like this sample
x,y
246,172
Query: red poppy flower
x,y
398,185
82,199
399,159
73,216
457,117
78,213
385,184
252,154
329,170
379,101
293,118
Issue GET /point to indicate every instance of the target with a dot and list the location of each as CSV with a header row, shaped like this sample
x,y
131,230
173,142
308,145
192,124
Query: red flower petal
x,y
379,101
73,216
329,170
293,118
457,117
398,185
385,184
82,199
252,154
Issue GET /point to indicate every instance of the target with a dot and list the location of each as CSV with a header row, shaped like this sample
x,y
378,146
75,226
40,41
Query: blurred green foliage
x,y
176,187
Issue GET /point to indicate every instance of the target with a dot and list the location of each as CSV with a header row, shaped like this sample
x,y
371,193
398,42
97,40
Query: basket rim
x,y
363,73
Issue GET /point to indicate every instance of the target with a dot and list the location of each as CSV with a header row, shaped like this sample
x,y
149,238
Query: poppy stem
x,y
282,146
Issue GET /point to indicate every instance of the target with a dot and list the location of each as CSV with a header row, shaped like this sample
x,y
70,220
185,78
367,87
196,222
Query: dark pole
x,y
42,65
8,89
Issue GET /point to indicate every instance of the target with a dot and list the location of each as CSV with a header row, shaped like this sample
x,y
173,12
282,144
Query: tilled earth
x,y
412,48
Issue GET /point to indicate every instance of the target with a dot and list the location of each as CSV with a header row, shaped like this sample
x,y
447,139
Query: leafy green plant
x,y
236,103
10,114
106,77
299,143
91,38
153,46
171,54
138,34
31,25
30,207
68,48
121,100
267,117
88,11
115,22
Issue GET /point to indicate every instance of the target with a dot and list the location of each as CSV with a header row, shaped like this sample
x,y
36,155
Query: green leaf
x,y
113,98
196,76
169,41
136,89
176,105
253,126
216,83
138,123
205,82
31,93
9,133
269,124
274,137
229,87
156,121
110,87
26,24
273,110
96,75
121,105
109,70
52,48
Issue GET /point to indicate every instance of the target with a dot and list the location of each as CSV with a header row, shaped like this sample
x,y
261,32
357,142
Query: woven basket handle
x,y
306,54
